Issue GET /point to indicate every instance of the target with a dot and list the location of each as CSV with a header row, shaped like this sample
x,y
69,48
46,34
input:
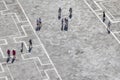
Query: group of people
x,y
14,52
9,56
64,21
109,23
29,48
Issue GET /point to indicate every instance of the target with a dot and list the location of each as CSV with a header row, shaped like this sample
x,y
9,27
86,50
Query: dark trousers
x,y
62,28
108,31
103,19
8,59
21,50
70,16
59,16
30,48
66,28
38,28
13,60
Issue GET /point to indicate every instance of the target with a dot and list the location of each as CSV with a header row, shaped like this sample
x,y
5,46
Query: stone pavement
x,y
85,52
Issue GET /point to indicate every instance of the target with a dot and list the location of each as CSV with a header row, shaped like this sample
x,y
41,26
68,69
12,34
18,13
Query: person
x,y
14,56
62,24
70,11
30,45
37,24
8,58
8,52
40,24
21,47
104,16
30,42
59,13
108,27
66,24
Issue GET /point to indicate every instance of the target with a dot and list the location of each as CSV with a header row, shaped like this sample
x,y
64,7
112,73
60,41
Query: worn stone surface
x,y
85,52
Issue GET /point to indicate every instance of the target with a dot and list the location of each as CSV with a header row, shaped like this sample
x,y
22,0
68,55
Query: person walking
x,y
21,48
62,23
37,23
40,24
14,55
66,24
104,16
8,56
70,13
108,27
59,13
30,45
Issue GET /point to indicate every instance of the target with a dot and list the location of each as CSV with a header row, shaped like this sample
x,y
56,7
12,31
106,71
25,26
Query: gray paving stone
x,y
7,25
29,69
10,2
2,6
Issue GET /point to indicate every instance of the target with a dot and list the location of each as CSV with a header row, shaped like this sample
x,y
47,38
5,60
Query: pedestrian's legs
x,y
39,27
108,30
108,27
13,60
103,19
65,28
21,50
30,48
8,59
62,28
21,47
59,16
70,16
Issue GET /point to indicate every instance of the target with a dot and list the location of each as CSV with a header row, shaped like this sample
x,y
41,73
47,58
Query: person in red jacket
x,y
8,52
14,55
8,58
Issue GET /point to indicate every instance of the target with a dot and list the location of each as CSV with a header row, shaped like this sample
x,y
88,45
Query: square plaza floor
x,y
7,26
85,52
25,71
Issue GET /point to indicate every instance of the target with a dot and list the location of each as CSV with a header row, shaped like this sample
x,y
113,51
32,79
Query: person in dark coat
x,y
62,23
30,42
37,23
70,11
21,48
30,45
59,13
108,27
104,16
66,24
